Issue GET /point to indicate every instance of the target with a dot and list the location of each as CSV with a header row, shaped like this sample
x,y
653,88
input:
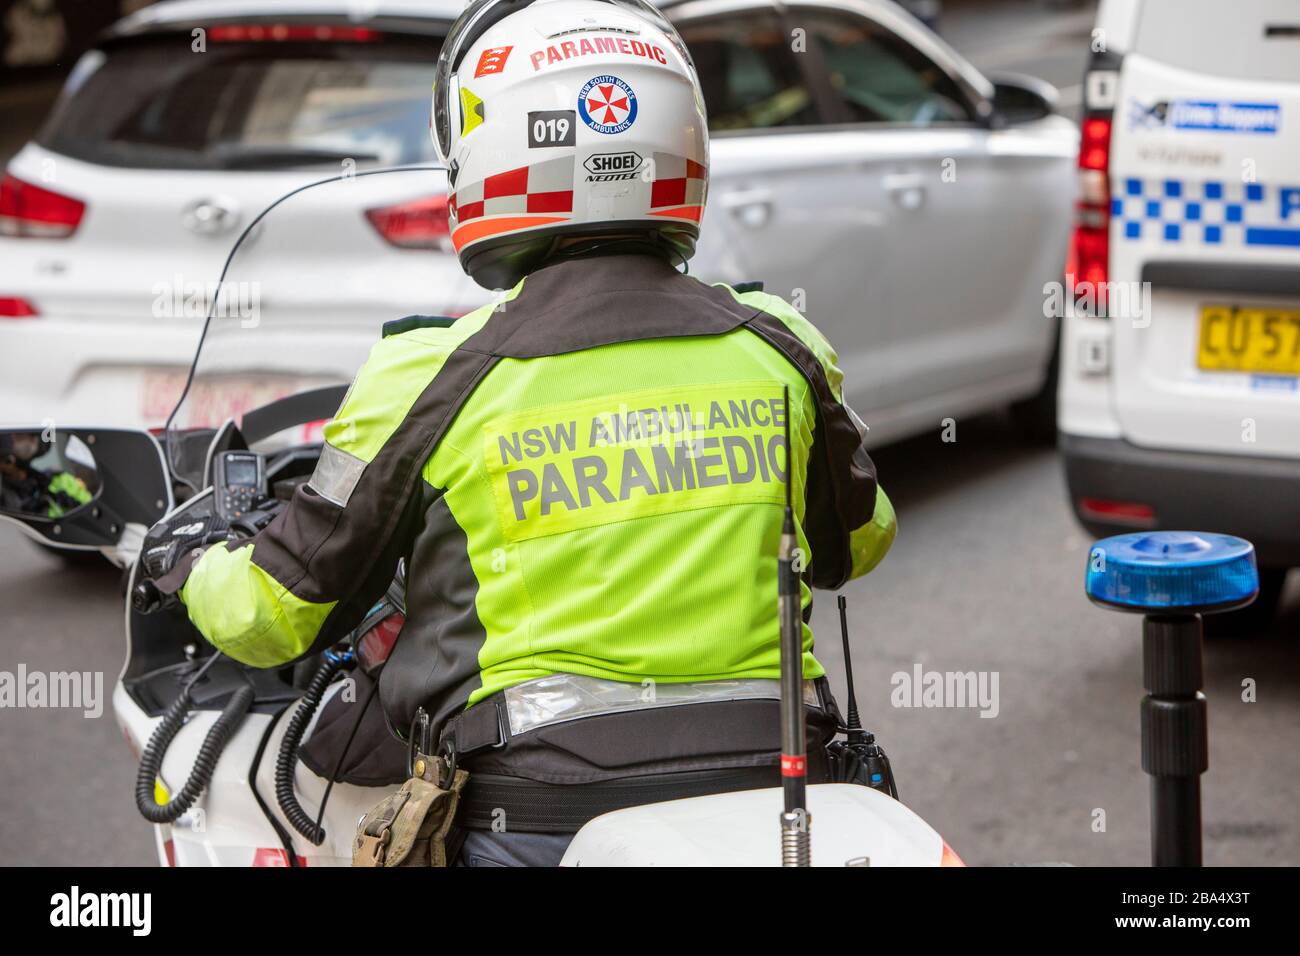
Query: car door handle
x,y
750,207
906,189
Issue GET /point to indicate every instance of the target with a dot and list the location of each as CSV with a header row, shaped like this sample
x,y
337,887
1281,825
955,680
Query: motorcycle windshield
x,y
305,296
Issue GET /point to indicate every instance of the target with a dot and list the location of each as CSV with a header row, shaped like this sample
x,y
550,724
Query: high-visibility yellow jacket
x,y
587,478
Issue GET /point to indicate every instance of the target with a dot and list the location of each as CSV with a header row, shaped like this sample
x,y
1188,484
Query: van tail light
x,y
290,32
1138,514
418,224
13,307
1089,266
31,212
1094,144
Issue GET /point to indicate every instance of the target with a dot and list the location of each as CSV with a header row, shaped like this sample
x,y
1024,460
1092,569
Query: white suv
x,y
1180,370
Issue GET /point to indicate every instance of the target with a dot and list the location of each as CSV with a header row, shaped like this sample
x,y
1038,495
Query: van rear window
x,y
156,103
1247,39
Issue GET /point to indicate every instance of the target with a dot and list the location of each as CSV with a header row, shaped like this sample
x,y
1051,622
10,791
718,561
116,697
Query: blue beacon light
x,y
1172,572
1173,577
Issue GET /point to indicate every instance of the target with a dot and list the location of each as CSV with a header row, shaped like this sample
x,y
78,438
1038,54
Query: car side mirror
x,y
1018,98
82,487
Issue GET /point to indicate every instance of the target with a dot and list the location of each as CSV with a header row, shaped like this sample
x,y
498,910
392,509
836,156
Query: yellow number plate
x,y
1249,340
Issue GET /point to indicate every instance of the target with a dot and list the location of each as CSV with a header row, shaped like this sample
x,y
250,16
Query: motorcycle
x,y
224,778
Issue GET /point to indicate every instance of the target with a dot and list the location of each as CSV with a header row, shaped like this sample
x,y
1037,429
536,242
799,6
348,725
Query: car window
x,y
248,104
877,76
748,73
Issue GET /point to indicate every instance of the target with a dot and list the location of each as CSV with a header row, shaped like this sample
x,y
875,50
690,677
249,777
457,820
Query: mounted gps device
x,y
239,480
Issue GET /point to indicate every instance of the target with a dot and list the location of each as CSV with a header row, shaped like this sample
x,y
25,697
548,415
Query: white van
x,y
1180,367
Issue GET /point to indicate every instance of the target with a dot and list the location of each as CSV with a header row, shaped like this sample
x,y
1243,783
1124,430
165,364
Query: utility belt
x,y
496,802
551,754
548,755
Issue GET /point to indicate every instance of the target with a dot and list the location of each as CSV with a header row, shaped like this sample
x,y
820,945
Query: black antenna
x,y
854,724
859,759
795,819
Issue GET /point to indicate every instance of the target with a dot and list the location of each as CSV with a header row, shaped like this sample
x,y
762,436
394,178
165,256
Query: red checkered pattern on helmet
x,y
513,182
527,189
551,202
668,192
472,210
675,189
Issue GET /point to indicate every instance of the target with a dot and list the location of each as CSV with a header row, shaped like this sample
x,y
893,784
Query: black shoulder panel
x,y
841,489
398,326
582,304
743,287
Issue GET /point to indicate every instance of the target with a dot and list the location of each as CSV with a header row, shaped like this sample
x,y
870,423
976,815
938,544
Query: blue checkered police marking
x,y
1212,212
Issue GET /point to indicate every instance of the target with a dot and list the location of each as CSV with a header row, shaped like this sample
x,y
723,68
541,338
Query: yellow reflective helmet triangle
x,y
471,111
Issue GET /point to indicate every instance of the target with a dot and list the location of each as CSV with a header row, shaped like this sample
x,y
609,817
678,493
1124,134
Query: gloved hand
x,y
171,538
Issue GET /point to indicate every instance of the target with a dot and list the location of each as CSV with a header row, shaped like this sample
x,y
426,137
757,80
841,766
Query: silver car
x,y
914,210
860,168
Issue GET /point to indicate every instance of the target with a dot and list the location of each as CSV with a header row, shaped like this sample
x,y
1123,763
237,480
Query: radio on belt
x,y
240,479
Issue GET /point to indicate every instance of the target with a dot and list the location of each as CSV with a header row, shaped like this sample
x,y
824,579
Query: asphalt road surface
x,y
986,576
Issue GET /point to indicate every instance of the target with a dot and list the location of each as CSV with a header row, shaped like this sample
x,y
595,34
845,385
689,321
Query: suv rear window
x,y
155,103
880,78
748,75
1254,40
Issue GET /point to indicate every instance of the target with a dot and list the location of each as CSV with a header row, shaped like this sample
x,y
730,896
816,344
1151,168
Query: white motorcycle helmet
x,y
567,119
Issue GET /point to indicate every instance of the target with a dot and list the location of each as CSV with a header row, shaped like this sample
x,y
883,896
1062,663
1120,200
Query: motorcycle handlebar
x,y
146,598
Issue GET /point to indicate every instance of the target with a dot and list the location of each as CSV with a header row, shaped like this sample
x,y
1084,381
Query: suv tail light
x,y
13,307
31,212
282,32
418,224
1090,245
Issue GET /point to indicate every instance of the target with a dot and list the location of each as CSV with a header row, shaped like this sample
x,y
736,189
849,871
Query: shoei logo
x,y
607,104
612,167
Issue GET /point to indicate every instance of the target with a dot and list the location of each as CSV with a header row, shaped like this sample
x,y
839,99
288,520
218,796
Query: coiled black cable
x,y
286,761
338,763
205,764
281,833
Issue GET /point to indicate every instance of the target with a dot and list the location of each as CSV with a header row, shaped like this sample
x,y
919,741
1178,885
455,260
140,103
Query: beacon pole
x,y
1173,578
795,820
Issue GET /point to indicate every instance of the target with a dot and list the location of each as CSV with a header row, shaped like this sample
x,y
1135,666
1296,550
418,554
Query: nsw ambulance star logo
x,y
607,104
614,107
